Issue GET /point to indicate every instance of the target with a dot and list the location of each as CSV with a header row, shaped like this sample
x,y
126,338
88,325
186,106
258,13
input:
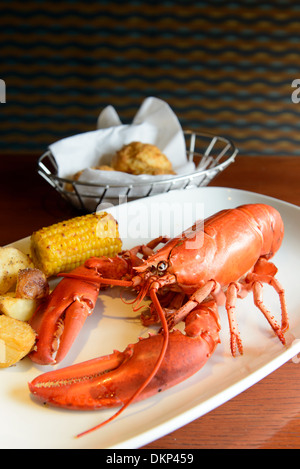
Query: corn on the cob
x,y
66,245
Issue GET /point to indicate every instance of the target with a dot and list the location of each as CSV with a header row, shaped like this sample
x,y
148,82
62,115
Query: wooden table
x,y
265,416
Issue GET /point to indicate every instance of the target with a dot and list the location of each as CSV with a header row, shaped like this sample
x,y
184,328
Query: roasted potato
x,y
18,308
17,338
32,284
11,261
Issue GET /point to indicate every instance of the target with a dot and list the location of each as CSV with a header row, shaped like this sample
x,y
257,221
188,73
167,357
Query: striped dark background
x,y
225,67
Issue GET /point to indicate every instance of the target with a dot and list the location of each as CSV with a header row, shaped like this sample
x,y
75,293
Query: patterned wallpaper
x,y
224,67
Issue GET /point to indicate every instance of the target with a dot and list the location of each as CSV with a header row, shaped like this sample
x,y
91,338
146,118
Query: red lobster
x,y
212,263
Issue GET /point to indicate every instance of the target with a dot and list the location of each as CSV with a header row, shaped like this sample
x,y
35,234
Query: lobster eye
x,y
162,266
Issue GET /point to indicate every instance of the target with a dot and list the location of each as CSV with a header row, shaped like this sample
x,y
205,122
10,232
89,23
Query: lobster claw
x,y
115,380
58,320
110,381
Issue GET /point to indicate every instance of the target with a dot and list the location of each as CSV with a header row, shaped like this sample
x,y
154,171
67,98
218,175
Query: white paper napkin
x,y
154,123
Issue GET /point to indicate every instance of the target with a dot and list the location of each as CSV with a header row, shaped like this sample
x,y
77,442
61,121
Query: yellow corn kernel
x,y
66,245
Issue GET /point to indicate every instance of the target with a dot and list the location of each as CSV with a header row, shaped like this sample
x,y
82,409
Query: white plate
x,y
26,424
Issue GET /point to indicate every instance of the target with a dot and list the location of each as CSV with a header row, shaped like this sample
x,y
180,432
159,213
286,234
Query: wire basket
x,y
210,153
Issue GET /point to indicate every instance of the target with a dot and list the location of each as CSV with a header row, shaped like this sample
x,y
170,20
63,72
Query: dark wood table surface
x,y
265,416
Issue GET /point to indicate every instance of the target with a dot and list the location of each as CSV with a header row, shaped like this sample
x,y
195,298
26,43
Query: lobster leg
x,y
196,299
258,301
232,294
264,272
170,302
235,338
281,293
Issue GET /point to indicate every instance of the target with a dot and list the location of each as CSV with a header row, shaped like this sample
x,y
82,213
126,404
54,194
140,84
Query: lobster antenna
x,y
165,330
140,297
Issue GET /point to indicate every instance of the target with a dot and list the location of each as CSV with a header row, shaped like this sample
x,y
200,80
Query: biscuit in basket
x,y
141,158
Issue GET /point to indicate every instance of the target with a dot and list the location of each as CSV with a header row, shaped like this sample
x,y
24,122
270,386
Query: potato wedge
x,y
11,261
18,308
17,339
